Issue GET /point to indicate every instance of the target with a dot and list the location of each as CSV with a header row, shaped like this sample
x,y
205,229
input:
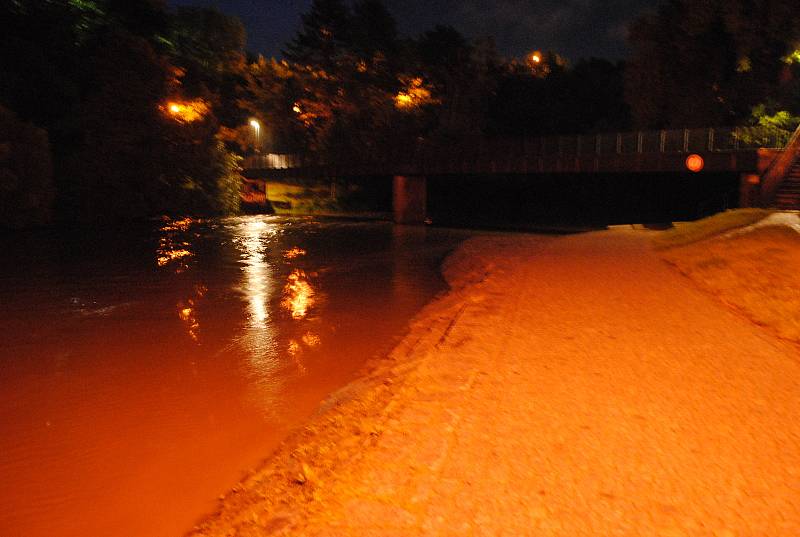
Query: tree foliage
x,y
99,75
585,98
209,47
710,62
144,105
350,86
26,173
336,90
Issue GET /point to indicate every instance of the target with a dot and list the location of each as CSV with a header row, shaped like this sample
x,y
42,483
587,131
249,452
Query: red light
x,y
695,163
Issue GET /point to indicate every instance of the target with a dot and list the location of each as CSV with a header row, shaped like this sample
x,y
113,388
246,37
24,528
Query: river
x,y
144,370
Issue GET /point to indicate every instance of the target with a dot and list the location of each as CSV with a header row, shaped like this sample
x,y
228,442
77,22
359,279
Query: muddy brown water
x,y
143,371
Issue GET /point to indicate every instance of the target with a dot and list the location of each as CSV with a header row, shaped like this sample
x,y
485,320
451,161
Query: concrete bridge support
x,y
409,199
749,190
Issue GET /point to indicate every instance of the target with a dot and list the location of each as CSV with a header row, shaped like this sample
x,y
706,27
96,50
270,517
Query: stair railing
x,y
776,172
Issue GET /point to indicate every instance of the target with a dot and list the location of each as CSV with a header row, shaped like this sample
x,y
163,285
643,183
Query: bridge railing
x,y
716,139
778,169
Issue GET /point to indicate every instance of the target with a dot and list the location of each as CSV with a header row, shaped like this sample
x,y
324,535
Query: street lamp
x,y
257,129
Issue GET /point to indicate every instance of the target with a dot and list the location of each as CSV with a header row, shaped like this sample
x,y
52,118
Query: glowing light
x,y
166,256
178,225
171,247
309,112
403,100
414,96
186,111
187,315
294,350
187,312
793,57
694,163
256,270
294,252
539,64
257,128
298,295
311,340
251,236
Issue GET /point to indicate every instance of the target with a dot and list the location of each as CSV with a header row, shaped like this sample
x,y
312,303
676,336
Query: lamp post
x,y
257,130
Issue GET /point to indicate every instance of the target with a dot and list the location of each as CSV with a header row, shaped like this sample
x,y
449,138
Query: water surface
x,y
142,371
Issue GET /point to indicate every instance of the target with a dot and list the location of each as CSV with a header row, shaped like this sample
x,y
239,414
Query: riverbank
x,y
564,386
754,266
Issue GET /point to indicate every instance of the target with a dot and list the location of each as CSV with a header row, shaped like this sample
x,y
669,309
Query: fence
x,y
716,139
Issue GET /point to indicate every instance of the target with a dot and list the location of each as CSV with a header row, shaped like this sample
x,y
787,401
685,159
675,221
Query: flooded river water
x,y
143,371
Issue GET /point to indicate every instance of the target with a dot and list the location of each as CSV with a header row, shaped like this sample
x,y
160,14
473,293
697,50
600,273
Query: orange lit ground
x,y
573,386
757,272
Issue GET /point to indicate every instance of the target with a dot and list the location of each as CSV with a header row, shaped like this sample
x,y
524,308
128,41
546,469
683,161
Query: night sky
x,y
573,28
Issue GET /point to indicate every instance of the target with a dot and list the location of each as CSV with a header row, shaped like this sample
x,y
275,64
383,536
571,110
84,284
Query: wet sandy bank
x,y
564,386
277,496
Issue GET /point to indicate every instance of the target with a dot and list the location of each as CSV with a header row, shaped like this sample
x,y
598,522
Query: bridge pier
x,y
749,190
409,199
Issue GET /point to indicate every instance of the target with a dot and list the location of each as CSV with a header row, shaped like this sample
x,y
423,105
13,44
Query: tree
x,y
708,63
26,173
325,38
451,65
114,162
548,97
209,48
100,75
39,51
375,41
340,80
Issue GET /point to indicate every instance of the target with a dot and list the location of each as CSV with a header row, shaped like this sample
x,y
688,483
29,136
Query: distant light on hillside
x,y
186,111
414,95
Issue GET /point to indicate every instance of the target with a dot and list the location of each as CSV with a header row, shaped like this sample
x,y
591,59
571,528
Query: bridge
x,y
756,154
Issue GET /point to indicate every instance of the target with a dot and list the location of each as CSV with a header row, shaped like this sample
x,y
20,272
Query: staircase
x,y
780,183
788,194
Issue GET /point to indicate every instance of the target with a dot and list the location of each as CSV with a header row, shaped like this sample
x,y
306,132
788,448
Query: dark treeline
x,y
129,99
121,109
349,83
716,62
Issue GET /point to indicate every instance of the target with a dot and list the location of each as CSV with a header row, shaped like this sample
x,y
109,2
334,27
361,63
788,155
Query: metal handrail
x,y
776,171
715,139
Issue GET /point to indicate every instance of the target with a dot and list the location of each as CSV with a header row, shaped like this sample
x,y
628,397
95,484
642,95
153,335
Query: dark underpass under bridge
x,y
758,157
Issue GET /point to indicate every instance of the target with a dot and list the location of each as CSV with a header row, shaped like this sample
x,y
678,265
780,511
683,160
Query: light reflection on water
x,y
187,312
298,295
173,248
252,238
205,342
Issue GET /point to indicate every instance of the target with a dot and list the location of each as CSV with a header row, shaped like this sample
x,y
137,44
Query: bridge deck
x,y
727,149
746,161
